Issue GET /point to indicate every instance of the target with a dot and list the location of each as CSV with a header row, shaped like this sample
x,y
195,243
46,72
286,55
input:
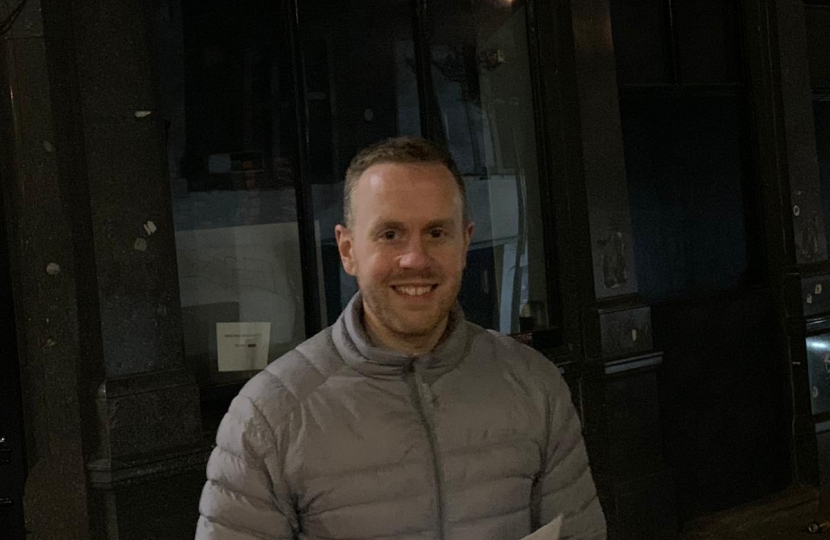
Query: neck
x,y
403,343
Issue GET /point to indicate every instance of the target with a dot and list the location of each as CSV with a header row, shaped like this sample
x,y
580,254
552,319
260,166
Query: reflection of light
x,y
817,345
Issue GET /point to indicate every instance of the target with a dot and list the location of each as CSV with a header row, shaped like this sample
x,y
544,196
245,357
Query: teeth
x,y
413,291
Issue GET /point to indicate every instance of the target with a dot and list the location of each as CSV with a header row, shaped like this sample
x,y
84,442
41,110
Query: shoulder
x,y
281,387
508,355
506,349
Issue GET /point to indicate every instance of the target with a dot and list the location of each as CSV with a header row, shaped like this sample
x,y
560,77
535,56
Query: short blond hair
x,y
399,150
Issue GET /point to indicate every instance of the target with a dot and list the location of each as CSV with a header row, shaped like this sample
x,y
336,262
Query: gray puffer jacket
x,y
338,439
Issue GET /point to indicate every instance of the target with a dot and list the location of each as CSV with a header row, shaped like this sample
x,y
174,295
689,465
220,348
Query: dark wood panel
x,y
685,165
821,117
642,41
818,44
723,398
823,439
163,509
707,38
634,437
646,508
12,455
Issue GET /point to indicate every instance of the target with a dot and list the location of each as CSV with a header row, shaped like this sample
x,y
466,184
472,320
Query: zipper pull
x,y
427,393
423,387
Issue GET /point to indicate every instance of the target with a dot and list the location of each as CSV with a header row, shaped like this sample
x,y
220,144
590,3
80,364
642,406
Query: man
x,y
402,420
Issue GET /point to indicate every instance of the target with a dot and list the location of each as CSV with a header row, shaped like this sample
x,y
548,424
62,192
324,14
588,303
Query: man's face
x,y
407,246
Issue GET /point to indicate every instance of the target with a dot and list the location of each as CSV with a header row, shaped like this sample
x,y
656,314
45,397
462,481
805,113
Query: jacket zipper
x,y
422,396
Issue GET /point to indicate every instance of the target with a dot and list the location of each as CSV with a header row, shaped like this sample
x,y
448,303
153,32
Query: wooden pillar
x,y
113,416
149,466
796,245
604,318
43,269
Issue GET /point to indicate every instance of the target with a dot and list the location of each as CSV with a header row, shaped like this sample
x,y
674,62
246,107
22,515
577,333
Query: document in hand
x,y
548,532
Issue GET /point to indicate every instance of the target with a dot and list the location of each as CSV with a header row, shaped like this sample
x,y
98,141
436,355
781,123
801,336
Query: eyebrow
x,y
400,226
445,223
383,225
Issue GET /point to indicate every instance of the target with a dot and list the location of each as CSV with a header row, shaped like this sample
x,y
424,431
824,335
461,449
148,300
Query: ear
x,y
345,246
468,235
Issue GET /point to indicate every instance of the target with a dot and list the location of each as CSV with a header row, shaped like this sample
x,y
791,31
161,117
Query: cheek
x,y
377,266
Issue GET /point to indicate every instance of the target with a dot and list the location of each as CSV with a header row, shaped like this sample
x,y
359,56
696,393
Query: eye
x,y
389,235
437,233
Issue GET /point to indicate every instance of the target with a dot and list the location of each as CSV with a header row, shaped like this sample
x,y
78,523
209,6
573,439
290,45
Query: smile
x,y
414,290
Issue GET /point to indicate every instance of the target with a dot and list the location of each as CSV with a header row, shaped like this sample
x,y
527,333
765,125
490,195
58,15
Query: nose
x,y
414,256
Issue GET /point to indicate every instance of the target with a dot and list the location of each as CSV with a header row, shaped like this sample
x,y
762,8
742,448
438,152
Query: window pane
x,y
818,45
821,114
361,87
641,41
227,99
707,36
818,56
685,175
482,85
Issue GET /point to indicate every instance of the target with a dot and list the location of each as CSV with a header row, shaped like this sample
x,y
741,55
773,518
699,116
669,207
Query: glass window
x,y
692,214
821,114
707,39
817,19
481,82
683,156
364,86
229,101
642,41
360,87
228,104
818,55
689,42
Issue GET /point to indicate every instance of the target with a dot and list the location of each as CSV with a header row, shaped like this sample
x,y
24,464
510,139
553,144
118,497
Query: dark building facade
x,y
650,181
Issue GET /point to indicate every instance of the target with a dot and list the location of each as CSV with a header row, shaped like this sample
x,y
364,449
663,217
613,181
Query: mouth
x,y
414,291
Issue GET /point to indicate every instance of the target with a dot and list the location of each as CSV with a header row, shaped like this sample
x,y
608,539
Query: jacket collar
x,y
356,349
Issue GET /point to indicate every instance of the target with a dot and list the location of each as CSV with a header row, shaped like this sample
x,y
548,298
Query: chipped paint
x,y
150,228
808,241
612,260
48,147
140,244
143,114
53,269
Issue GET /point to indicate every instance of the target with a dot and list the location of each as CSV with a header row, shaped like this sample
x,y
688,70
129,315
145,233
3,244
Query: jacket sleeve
x,y
246,496
566,486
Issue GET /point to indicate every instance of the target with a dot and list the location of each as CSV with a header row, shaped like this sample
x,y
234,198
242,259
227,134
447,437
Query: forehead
x,y
406,189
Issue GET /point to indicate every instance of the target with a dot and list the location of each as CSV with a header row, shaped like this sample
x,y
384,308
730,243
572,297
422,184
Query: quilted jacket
x,y
339,439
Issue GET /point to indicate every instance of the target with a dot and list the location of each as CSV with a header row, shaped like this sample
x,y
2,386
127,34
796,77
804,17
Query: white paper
x,y
242,346
548,532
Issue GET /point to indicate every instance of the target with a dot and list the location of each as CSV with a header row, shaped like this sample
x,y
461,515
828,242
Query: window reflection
x,y
227,98
363,86
482,86
818,56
